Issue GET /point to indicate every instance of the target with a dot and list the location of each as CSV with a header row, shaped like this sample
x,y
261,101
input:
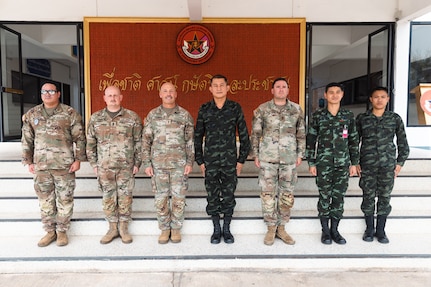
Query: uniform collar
x,y
120,112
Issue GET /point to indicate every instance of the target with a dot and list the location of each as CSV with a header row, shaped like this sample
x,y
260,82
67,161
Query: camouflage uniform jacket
x,y
114,142
167,139
377,139
219,127
332,140
47,141
278,133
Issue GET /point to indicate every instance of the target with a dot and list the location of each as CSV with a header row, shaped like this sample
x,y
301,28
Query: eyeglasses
x,y
51,92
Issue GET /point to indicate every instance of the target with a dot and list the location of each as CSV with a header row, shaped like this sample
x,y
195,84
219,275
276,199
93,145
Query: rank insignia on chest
x,y
345,132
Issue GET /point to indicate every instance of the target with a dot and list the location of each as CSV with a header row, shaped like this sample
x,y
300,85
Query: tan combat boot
x,y
124,232
282,234
62,238
111,234
164,237
270,235
47,239
176,235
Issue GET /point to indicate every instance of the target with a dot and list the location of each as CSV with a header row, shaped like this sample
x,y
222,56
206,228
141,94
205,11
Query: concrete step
x,y
408,228
407,249
144,207
23,187
14,169
85,253
239,225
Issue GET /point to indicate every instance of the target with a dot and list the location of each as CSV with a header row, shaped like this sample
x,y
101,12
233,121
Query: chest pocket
x,y
389,128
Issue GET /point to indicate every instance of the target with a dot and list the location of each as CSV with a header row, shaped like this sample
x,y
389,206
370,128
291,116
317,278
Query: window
x,y
419,100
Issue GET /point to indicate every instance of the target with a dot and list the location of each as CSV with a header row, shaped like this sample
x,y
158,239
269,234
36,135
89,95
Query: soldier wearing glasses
x,y
49,133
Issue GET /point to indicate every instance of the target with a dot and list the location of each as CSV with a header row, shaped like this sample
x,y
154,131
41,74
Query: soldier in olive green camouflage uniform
x,y
332,154
49,133
168,155
278,145
379,162
114,151
218,122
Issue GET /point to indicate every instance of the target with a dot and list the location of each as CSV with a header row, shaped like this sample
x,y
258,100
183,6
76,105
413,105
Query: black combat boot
x,y
369,231
326,234
216,236
380,229
336,236
227,236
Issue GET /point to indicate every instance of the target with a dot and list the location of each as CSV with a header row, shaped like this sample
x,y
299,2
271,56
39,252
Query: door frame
x,y
390,26
5,89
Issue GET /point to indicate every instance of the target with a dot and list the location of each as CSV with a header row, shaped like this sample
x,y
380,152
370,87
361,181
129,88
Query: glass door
x,y
359,56
11,93
379,67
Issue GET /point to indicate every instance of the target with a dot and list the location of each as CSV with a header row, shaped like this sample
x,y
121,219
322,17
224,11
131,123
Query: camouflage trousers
x,y
332,183
170,188
277,182
54,189
116,186
220,184
376,182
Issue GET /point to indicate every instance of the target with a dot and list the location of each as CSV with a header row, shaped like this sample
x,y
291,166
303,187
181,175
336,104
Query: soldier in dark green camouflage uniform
x,y
168,155
114,152
278,145
332,154
218,122
49,132
379,163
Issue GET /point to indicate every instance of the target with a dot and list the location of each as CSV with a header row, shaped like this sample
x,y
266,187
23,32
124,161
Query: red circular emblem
x,y
195,44
426,102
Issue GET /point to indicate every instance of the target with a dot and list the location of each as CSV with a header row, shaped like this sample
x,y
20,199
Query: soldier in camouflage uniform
x,y
49,133
379,164
114,151
218,121
332,154
278,145
168,155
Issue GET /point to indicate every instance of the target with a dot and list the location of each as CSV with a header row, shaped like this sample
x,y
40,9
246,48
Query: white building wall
x,y
401,11
312,10
417,136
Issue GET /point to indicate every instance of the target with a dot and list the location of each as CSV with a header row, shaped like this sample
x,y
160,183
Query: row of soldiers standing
x,y
116,144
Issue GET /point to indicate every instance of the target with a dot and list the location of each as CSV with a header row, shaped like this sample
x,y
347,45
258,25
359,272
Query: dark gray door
x,y
11,93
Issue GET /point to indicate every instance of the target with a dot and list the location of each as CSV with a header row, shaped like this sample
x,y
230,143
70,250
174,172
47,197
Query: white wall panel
x,y
46,10
142,8
312,10
345,10
411,9
248,9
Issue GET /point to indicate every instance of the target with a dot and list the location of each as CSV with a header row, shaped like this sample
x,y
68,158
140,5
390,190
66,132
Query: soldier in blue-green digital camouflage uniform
x,y
218,122
278,145
168,155
332,154
380,161
49,133
114,151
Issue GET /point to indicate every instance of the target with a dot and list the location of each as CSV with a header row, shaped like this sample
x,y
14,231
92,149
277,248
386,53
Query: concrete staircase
x,y
408,228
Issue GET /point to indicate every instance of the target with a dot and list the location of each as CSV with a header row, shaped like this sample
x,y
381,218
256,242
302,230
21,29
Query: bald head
x,y
113,98
168,94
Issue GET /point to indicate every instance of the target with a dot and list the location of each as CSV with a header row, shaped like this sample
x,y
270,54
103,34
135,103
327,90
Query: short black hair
x,y
334,84
50,83
219,76
280,79
379,88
